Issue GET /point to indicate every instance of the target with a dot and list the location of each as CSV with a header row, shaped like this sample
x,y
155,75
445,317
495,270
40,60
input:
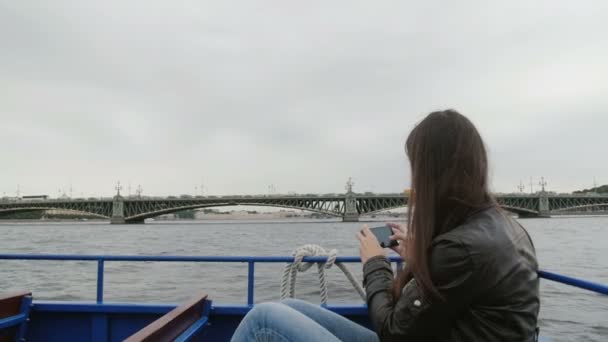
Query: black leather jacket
x,y
486,270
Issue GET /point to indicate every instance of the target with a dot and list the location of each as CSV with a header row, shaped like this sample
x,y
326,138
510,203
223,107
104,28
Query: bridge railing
x,y
251,261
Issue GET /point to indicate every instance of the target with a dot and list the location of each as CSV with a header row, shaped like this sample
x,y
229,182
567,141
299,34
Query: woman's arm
x,y
414,315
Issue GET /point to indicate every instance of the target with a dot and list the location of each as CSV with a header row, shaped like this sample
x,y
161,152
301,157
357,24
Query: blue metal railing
x,y
580,283
12,321
251,261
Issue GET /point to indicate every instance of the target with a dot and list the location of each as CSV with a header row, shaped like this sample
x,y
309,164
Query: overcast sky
x,y
300,94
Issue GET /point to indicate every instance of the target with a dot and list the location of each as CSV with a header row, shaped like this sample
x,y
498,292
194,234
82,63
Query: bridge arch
x,y
7,211
373,212
582,206
519,211
515,210
143,216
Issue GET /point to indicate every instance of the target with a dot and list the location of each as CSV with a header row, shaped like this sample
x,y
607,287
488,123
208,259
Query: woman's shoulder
x,y
481,235
479,228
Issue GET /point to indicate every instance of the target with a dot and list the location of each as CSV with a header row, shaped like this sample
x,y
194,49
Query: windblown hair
x,y
449,168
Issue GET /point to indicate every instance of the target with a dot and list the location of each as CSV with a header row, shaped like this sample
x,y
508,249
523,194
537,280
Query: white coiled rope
x,y
288,282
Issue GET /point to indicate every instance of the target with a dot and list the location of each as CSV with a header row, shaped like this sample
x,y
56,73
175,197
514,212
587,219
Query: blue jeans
x,y
295,320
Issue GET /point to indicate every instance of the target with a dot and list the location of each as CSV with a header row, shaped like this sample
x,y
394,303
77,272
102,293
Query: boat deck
x,y
100,321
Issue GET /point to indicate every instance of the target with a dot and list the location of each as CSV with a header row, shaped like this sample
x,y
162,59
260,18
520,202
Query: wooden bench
x,y
180,324
14,314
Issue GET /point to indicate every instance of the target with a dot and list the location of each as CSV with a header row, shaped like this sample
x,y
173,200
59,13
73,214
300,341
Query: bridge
x,y
349,206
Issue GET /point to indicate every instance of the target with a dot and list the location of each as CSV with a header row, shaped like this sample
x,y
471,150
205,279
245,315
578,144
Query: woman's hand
x,y
369,245
400,236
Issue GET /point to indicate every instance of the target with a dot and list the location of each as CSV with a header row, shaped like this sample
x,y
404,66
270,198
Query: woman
x,y
471,271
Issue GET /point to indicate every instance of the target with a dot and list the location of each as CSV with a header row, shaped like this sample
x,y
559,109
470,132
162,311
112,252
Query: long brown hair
x,y
449,168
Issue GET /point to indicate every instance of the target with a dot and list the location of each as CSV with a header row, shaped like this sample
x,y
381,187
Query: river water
x,y
577,246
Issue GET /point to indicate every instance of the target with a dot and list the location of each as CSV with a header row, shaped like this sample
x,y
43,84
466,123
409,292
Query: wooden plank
x,y
171,325
10,305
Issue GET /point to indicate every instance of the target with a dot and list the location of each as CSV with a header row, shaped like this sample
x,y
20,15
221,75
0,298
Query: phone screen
x,y
382,234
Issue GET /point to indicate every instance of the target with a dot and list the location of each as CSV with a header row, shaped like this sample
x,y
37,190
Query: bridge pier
x,y
543,205
117,220
118,210
351,214
350,218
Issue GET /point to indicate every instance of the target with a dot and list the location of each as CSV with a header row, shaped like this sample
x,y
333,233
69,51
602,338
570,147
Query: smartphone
x,y
382,234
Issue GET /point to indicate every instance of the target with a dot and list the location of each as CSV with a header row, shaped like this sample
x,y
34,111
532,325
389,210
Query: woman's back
x,y
504,296
485,272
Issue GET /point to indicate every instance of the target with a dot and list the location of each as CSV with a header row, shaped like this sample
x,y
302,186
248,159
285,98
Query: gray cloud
x,y
301,95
